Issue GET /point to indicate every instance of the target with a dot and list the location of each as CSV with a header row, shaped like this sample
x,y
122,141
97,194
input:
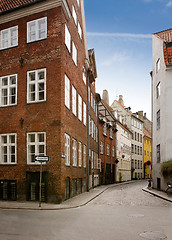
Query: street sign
x,y
42,158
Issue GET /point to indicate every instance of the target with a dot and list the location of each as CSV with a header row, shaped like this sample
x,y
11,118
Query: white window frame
x,y
108,149
74,53
74,14
158,90
36,83
8,145
92,159
78,1
158,65
67,92
84,75
37,144
84,155
79,107
67,149
67,38
79,30
113,151
79,154
36,25
101,147
84,113
9,38
74,152
74,100
8,87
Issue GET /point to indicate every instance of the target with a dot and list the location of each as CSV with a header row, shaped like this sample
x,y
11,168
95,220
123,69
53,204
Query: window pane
x,y
41,149
13,80
12,139
32,76
31,137
4,81
41,137
41,75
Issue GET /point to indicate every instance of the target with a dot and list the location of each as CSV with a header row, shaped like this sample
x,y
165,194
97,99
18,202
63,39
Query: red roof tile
x,y
146,133
166,36
7,5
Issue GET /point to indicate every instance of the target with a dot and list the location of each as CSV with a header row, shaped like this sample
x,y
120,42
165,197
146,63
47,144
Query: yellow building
x,y
147,154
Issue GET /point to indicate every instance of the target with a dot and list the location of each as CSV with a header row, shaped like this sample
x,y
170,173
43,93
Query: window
x,y
36,86
101,147
74,100
8,151
78,2
140,150
67,92
74,149
9,37
158,153
88,94
8,90
79,31
79,107
37,30
111,133
104,129
80,154
92,159
158,90
67,150
84,155
90,126
74,15
158,65
141,138
84,114
113,151
107,149
67,38
36,145
84,75
132,148
74,53
147,153
158,119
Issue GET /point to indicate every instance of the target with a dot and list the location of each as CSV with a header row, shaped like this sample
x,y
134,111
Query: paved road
x,y
120,213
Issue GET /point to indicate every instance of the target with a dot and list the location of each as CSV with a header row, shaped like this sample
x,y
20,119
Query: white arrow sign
x,y
42,158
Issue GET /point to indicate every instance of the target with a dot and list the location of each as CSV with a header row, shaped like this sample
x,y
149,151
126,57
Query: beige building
x,y
123,152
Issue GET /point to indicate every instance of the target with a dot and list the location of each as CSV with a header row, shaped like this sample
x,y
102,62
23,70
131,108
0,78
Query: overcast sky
x,y
121,31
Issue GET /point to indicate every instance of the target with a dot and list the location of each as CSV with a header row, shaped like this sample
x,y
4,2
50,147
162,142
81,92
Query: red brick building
x,y
47,86
107,143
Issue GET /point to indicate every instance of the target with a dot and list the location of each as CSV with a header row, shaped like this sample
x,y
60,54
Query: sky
x,y
120,31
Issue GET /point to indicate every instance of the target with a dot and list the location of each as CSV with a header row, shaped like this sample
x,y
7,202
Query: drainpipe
x,y
88,134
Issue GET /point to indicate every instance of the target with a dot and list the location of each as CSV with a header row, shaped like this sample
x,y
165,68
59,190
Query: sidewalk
x,y
158,193
75,202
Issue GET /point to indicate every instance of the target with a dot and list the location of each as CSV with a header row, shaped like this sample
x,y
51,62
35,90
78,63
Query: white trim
x,y
36,23
36,8
8,145
9,37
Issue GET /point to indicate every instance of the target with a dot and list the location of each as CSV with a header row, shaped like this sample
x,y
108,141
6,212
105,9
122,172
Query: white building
x,y
123,153
135,125
161,101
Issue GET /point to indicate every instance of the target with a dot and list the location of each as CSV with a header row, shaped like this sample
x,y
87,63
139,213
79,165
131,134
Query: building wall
x,y
147,157
50,116
162,135
123,171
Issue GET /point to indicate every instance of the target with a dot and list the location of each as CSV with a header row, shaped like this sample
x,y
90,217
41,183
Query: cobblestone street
x,y
120,213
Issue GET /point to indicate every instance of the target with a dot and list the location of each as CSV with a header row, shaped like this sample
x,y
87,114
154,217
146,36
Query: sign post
x,y
41,159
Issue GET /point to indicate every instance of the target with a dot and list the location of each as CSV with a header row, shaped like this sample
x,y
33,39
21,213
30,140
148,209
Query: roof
x,y
10,5
146,133
166,37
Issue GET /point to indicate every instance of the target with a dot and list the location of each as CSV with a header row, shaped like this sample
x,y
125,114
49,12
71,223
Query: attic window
x,y
158,65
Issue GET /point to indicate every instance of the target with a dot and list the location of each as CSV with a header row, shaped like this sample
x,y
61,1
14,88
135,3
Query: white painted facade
x,y
162,135
123,151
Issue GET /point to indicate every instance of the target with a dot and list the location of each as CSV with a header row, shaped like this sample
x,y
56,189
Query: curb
x,y
65,208
156,194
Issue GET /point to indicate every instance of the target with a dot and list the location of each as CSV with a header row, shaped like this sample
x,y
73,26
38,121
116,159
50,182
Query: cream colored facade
x,y
123,170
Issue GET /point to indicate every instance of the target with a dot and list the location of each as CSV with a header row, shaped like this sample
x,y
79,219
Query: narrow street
x,y
120,213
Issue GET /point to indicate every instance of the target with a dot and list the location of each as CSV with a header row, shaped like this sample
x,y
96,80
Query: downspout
x,y
88,134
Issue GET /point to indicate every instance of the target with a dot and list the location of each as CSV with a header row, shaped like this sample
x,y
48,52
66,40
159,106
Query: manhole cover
x,y
153,235
136,215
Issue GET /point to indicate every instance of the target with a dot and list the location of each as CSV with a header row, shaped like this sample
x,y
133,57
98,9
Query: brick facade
x,y
50,116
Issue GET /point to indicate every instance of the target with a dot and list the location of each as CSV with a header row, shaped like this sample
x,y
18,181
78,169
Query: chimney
x,y
105,96
144,115
121,100
140,113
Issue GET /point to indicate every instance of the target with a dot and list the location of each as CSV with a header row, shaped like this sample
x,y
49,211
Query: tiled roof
x,y
8,5
166,36
146,133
